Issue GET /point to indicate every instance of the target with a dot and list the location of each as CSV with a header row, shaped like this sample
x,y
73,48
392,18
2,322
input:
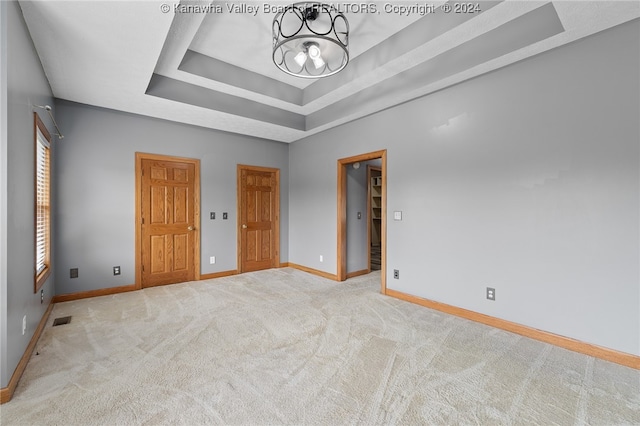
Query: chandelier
x,y
310,40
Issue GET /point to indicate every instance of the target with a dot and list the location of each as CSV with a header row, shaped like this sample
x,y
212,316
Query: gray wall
x,y
4,26
525,179
95,204
26,85
356,228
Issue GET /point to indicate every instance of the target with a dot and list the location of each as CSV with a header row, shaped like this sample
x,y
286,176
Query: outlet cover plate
x,y
491,293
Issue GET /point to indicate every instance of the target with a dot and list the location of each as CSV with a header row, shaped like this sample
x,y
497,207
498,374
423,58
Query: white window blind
x,y
42,202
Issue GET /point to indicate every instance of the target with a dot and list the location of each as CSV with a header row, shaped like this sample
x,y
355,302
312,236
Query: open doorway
x,y
342,212
374,215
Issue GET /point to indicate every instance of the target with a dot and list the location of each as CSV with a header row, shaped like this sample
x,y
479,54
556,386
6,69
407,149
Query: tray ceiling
x,y
209,63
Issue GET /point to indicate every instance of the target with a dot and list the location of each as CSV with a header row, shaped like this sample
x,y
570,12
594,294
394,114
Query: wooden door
x,y
258,218
168,219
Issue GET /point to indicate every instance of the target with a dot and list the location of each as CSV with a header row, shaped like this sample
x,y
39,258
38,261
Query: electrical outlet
x,y
212,260
491,293
212,215
321,258
24,325
73,273
396,274
41,296
116,270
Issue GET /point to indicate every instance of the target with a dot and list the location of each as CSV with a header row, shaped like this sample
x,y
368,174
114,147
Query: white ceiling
x,y
254,39
215,69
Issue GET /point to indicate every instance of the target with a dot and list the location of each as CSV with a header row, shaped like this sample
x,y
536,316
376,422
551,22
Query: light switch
x,y
397,215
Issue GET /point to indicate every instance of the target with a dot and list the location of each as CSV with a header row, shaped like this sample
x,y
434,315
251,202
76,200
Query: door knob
x,y
191,228
244,226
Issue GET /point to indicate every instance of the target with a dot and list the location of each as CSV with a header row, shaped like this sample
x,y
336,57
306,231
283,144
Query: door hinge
x,y
142,220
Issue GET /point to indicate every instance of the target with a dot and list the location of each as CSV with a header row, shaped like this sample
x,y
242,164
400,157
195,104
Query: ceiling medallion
x,y
310,40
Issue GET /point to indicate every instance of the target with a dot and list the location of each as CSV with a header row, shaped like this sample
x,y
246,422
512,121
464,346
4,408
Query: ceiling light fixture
x,y
310,40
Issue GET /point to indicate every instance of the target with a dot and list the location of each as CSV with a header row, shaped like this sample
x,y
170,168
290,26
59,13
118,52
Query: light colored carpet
x,y
285,347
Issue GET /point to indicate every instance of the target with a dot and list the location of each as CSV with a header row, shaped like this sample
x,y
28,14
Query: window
x,y
43,203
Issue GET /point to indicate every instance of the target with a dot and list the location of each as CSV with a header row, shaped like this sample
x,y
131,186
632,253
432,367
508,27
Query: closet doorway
x,y
381,209
374,216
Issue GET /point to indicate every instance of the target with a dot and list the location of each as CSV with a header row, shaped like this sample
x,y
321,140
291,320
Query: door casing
x,y
139,157
342,214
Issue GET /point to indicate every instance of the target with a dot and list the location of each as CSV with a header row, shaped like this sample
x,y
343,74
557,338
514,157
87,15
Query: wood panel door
x,y
258,218
169,238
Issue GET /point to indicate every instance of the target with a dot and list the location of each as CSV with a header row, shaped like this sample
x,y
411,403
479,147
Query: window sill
x,y
41,278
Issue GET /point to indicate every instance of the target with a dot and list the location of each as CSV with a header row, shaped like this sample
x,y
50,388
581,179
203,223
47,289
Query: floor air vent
x,y
61,321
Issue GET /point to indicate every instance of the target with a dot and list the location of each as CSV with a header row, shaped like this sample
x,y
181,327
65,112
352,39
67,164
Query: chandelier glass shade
x,y
310,40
